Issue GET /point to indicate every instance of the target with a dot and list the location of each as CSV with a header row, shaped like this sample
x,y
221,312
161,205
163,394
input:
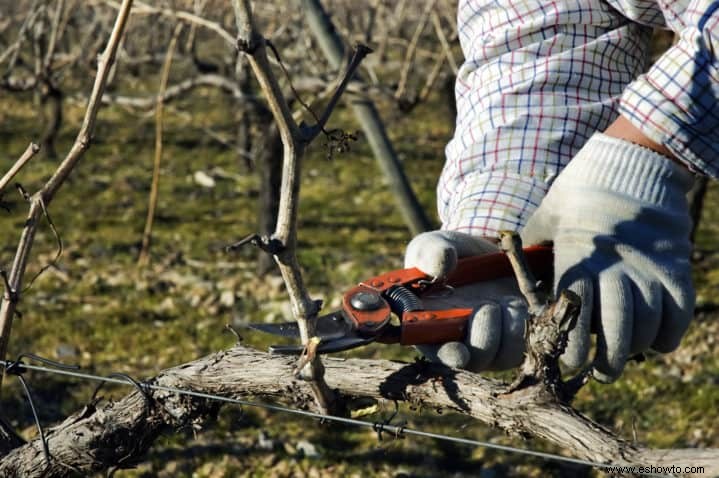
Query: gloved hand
x,y
619,220
495,333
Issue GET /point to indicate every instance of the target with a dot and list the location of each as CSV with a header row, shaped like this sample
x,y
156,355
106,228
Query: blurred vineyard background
x,y
97,307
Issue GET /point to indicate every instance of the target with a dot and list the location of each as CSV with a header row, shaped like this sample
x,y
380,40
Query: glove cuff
x,y
608,163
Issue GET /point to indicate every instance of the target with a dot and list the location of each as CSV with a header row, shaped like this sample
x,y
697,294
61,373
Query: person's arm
x,y
622,128
618,214
537,81
675,103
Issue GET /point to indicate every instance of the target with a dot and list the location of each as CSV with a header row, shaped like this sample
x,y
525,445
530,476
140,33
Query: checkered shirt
x,y
540,77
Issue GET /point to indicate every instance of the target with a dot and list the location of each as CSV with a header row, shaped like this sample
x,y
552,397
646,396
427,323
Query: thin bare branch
x,y
25,158
144,257
179,90
431,80
54,35
443,41
511,244
366,112
409,54
250,42
14,50
142,8
358,54
84,137
41,200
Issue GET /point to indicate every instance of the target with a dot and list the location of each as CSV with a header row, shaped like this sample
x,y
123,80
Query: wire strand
x,y
397,430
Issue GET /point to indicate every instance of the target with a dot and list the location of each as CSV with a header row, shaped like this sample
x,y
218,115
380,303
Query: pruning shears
x,y
367,308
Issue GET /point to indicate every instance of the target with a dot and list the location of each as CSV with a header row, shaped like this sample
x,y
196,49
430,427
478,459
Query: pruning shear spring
x,y
367,308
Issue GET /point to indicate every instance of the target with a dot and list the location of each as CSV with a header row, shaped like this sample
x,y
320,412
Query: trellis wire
x,y
376,426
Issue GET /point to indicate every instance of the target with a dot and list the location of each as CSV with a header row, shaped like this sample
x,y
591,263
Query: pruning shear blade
x,y
331,346
367,308
329,327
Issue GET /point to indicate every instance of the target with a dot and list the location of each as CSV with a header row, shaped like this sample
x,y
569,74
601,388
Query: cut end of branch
x,y
268,244
248,44
511,244
30,152
362,50
234,332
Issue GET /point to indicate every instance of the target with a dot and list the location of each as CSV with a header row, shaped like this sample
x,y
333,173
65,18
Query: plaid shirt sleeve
x,y
539,78
675,103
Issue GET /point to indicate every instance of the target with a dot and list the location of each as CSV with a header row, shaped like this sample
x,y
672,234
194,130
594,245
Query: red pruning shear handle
x,y
367,308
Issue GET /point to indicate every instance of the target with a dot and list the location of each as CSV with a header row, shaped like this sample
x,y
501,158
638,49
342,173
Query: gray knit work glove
x,y
495,333
619,220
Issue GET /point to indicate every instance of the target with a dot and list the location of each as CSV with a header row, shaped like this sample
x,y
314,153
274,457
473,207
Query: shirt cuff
x,y
487,203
